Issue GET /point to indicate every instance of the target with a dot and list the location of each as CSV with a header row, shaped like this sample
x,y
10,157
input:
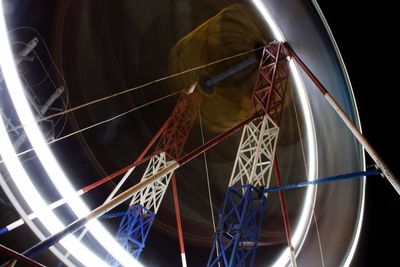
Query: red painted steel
x,y
173,139
175,134
271,83
218,139
107,178
19,257
171,136
177,214
289,52
283,205
269,95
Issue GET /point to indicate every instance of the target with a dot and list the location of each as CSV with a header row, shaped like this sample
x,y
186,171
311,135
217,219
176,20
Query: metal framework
x,y
134,227
235,241
239,227
136,224
241,215
39,108
254,160
270,88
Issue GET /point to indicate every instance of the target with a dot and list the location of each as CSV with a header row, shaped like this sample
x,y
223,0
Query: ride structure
x,y
241,216
235,241
143,207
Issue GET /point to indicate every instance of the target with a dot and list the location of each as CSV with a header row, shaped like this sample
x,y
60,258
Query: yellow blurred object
x,y
231,31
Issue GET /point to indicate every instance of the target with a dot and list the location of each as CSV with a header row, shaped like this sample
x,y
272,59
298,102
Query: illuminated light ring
x,y
298,236
22,212
350,253
303,225
51,166
36,203
284,258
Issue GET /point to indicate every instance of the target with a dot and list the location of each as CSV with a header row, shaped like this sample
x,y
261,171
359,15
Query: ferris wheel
x,y
282,85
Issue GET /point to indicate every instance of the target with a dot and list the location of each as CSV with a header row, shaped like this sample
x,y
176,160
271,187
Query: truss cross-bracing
x,y
143,207
255,157
240,219
235,241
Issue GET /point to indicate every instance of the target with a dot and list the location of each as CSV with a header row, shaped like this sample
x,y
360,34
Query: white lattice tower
x,y
151,196
254,160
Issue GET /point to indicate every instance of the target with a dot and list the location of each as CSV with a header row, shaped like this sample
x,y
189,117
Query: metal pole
x,y
27,50
78,224
57,93
79,192
330,179
360,137
42,111
141,159
285,214
222,76
19,257
178,220
23,54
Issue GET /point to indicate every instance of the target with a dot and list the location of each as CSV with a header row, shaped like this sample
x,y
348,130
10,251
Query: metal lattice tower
x,y
143,207
235,241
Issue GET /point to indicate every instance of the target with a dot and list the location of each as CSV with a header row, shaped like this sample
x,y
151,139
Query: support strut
x,y
42,246
352,127
241,215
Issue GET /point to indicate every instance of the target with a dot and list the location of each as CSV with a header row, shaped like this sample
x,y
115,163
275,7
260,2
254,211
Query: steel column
x,y
235,241
170,142
253,166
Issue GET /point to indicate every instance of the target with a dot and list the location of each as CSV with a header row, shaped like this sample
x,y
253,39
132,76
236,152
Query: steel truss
x,y
239,227
133,230
255,157
242,199
235,242
136,224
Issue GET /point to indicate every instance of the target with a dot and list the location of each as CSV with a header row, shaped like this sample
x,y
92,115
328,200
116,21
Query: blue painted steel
x,y
238,227
42,246
323,180
241,216
222,76
133,231
112,215
45,244
3,230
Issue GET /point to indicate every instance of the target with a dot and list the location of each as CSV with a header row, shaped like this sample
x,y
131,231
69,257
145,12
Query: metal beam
x,y
19,257
42,246
346,119
330,179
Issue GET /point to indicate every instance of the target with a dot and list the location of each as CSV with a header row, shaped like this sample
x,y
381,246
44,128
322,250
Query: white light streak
x,y
51,166
304,222
33,198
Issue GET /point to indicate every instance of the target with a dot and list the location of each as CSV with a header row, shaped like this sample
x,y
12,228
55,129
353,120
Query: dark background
x,y
365,33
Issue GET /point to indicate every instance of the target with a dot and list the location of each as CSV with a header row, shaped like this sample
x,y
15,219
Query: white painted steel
x,y
152,195
364,142
256,152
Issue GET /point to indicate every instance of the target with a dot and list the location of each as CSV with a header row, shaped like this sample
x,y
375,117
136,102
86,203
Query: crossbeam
x,y
42,246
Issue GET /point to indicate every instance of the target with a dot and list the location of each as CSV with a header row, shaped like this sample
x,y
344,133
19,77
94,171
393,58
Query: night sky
x,y
364,33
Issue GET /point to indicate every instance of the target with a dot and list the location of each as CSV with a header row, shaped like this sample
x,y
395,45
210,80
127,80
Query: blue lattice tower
x,y
133,230
238,231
